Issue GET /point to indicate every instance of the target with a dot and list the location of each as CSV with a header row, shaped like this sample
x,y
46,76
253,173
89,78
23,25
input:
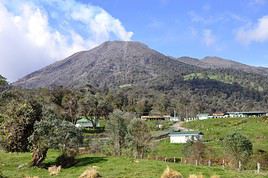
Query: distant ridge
x,y
214,62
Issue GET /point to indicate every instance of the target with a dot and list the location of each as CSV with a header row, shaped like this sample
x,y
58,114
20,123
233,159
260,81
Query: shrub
x,y
169,173
238,148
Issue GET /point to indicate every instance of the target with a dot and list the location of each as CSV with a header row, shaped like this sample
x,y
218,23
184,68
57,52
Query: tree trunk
x,y
38,156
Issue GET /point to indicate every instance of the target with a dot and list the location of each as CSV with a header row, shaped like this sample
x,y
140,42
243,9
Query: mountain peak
x,y
113,63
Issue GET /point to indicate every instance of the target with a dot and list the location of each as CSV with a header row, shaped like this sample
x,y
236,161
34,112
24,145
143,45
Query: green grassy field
x,y
110,167
256,129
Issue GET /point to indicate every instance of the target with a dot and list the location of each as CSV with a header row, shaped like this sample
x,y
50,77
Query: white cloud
x,y
208,38
36,33
254,33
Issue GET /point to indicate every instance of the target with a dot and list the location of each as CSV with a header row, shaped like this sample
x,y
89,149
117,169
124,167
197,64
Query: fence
x,y
223,163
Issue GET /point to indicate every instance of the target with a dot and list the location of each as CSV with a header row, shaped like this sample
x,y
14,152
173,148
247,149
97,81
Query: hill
x,y
214,62
215,129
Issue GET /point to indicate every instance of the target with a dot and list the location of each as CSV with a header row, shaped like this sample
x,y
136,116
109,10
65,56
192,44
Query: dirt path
x,y
178,126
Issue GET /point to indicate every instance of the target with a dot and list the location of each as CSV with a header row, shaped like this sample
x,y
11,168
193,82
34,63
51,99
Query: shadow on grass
x,y
84,161
89,160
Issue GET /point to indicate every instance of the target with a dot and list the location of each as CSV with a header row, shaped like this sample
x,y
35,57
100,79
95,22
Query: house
x,y
183,137
156,117
219,115
85,123
202,116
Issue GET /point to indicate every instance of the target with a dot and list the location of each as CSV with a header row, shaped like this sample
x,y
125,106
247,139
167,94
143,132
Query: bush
x,y
238,148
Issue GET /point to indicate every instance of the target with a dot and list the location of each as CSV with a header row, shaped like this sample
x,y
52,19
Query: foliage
x,y
238,147
58,134
19,119
139,137
195,150
117,130
2,81
92,107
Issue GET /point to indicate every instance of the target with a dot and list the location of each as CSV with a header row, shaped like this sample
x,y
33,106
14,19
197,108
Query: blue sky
x,y
44,31
196,28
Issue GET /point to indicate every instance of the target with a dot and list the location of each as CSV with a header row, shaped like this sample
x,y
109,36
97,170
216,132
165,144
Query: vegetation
x,y
139,137
117,129
19,119
57,134
238,147
217,130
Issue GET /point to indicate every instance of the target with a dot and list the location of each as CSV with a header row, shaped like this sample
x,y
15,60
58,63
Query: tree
x,y
18,124
139,137
195,150
2,81
117,129
238,147
93,107
57,134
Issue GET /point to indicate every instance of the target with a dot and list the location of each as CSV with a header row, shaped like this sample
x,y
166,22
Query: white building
x,y
183,137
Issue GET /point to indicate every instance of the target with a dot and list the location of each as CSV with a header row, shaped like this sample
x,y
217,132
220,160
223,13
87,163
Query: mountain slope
x,y
213,62
110,64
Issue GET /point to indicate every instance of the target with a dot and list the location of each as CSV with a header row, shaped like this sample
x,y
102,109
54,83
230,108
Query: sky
x,y
36,33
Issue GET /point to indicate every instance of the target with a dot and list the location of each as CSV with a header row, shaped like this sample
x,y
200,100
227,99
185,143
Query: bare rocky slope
x,y
110,64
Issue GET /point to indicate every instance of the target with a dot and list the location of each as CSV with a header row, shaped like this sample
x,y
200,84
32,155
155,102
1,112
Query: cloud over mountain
x,y
36,33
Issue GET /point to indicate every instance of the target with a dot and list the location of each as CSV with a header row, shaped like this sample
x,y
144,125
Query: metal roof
x,y
186,133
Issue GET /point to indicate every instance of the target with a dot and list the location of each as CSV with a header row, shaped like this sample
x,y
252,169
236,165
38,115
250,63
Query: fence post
x,y
196,163
239,166
209,163
174,160
258,167
223,163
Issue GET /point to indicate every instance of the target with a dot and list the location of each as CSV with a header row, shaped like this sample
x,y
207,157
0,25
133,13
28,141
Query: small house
x,y
183,137
85,123
202,116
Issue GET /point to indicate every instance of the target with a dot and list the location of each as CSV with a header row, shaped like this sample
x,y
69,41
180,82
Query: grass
x,y
166,149
256,129
110,167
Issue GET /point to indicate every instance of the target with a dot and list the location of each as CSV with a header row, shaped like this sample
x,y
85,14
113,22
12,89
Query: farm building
x,y
202,116
183,137
247,114
156,117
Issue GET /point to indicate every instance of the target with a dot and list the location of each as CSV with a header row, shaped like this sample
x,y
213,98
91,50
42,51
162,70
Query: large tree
x,y
55,133
93,107
19,119
139,137
117,129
